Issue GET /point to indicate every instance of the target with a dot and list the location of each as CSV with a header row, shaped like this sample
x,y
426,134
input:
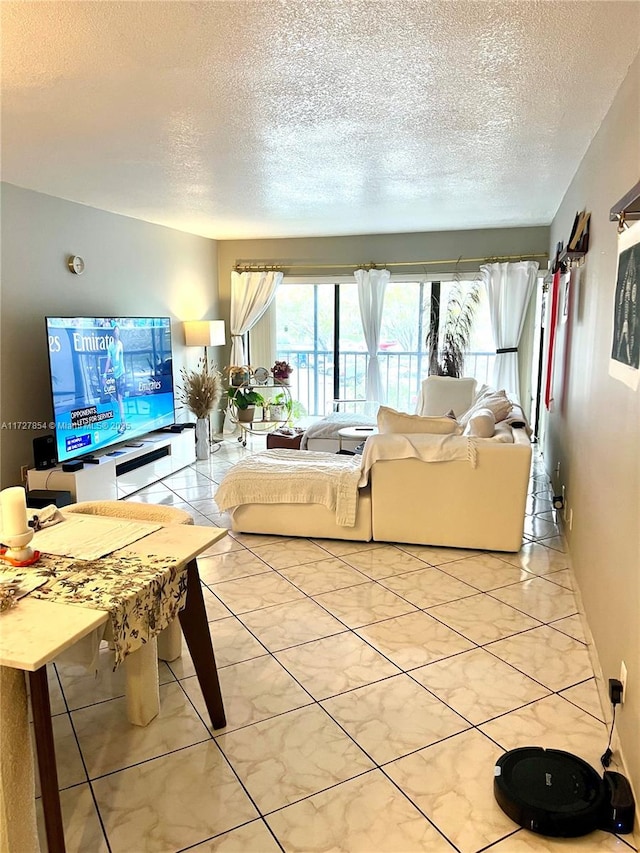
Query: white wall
x,y
132,268
594,431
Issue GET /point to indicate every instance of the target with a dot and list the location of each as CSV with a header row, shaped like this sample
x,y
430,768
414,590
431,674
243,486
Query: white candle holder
x,y
18,546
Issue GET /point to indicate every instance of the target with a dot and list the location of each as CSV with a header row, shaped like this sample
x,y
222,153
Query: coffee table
x,y
355,433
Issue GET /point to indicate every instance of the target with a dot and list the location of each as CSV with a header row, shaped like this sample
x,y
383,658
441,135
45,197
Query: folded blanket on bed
x,y
426,447
288,476
328,427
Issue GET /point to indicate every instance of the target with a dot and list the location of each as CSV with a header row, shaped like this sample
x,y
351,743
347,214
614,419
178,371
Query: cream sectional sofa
x,y
450,503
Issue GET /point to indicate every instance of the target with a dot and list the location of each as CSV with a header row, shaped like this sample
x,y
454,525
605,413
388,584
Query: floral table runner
x,y
142,594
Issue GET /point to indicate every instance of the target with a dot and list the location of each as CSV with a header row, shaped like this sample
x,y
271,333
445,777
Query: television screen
x,y
111,380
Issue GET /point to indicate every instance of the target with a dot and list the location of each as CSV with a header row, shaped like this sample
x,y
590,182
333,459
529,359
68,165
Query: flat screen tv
x,y
111,380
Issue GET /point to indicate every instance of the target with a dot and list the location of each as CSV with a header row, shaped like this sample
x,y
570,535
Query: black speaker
x,y
44,452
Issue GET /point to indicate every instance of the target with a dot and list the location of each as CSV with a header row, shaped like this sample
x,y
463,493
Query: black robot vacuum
x,y
555,793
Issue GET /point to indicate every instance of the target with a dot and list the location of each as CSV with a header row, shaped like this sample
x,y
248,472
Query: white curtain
x,y
509,288
372,285
263,339
251,295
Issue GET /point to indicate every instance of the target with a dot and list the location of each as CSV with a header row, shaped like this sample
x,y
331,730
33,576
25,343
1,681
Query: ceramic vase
x,y
278,413
202,438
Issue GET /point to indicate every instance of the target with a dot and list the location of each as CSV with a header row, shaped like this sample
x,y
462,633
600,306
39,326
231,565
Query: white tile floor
x,y
369,690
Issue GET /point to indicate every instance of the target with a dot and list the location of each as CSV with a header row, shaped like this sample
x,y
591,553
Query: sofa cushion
x,y
481,391
481,424
440,393
496,401
503,433
391,421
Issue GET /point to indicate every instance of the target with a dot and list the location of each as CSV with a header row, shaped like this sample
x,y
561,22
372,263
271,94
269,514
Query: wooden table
x,y
36,631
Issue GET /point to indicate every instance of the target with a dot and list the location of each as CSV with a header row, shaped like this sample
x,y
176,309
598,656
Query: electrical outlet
x,y
623,680
571,519
23,474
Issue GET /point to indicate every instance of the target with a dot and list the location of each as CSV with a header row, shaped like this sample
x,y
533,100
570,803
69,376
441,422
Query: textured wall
x,y
594,433
132,268
282,118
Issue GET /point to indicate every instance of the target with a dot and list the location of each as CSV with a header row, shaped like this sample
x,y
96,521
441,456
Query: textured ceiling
x,y
310,117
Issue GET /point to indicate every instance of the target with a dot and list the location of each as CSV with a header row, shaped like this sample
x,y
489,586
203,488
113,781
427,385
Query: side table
x,y
284,439
351,436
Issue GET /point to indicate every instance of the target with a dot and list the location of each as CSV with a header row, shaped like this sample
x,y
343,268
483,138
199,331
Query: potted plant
x,y
458,323
280,407
200,393
238,376
282,370
245,400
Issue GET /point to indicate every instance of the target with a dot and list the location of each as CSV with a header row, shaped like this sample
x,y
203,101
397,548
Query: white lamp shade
x,y
204,333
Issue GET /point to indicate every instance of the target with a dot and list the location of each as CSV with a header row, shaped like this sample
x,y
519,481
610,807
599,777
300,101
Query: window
x,y
318,331
305,338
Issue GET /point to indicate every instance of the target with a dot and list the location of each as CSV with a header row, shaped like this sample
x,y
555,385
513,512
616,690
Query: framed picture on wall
x,y
625,347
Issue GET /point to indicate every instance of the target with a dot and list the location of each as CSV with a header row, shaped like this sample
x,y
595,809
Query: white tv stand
x,y
126,471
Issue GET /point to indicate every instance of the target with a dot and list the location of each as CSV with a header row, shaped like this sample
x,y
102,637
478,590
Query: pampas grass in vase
x,y
200,393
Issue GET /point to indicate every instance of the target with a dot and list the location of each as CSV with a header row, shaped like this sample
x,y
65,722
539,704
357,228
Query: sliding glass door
x,y
319,332
305,338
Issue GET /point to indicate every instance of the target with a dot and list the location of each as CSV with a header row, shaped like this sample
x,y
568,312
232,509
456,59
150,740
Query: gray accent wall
x,y
317,252
133,268
593,431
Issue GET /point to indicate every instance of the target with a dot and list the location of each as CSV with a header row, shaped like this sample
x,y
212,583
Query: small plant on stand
x,y
280,407
282,370
200,393
245,400
238,375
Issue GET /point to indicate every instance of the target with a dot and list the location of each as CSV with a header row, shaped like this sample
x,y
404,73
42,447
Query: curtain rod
x,y
242,266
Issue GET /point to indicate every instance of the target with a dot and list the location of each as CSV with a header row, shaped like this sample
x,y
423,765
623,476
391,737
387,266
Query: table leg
x,y
142,685
195,628
46,752
170,642
18,825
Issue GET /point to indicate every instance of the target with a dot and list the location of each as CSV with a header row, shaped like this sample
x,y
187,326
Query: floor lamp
x,y
205,333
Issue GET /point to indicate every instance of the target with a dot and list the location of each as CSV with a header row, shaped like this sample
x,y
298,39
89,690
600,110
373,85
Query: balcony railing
x,y
402,373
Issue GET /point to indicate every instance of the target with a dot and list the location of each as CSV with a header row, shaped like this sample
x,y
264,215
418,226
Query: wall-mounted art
x,y
625,348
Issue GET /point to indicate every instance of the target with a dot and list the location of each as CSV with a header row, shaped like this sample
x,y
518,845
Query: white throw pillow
x,y
481,391
482,424
497,401
391,421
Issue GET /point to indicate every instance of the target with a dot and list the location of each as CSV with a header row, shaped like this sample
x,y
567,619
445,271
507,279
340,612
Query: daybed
x,y
460,491
323,434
